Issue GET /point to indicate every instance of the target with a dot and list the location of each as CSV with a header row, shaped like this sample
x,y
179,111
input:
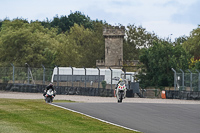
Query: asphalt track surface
x,y
144,117
143,114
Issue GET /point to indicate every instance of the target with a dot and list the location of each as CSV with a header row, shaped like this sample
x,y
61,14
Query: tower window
x,y
107,49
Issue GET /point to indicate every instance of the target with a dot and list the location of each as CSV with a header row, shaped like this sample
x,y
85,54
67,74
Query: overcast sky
x,y
163,17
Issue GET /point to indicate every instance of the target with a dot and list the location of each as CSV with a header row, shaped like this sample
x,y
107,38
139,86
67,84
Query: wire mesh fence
x,y
5,74
27,79
25,75
91,78
187,81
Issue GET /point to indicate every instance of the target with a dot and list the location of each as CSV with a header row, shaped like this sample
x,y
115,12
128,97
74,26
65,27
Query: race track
x,y
143,114
144,117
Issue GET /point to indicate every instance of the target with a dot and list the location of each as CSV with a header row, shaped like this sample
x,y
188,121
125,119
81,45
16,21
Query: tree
x,y
64,23
157,63
180,40
0,24
79,19
46,23
194,64
136,38
89,44
193,43
21,42
67,53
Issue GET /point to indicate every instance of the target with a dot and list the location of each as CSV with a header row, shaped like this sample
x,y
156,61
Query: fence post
x,y
190,79
43,74
124,72
13,73
28,71
72,75
57,75
98,77
85,76
174,78
111,76
182,78
198,80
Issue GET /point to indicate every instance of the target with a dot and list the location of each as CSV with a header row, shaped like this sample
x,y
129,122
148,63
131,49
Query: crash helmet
x,y
120,79
51,84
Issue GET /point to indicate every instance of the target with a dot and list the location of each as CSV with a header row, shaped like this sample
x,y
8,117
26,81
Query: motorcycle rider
x,y
120,80
50,86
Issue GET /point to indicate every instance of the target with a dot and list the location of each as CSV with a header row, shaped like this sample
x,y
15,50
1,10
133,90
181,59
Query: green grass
x,y
36,116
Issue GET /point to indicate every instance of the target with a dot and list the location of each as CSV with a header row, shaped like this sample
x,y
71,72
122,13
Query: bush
x,y
5,79
103,83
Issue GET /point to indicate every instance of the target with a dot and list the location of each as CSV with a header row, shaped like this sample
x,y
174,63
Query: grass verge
x,y
35,116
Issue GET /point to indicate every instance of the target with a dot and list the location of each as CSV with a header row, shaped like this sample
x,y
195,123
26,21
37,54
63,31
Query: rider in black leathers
x,y
50,86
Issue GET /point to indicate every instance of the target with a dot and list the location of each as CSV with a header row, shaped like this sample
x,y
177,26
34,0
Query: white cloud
x,y
165,28
164,17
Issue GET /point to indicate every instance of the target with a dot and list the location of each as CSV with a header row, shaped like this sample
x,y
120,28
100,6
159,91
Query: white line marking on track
x,y
94,117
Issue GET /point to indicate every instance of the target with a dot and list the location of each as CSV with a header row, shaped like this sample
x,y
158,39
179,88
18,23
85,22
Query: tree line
x,y
76,40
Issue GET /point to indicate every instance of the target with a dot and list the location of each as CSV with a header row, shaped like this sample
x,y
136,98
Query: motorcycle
x,y
121,91
49,96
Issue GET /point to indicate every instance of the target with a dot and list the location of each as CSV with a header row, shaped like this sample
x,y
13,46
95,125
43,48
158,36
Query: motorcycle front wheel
x,y
120,97
48,100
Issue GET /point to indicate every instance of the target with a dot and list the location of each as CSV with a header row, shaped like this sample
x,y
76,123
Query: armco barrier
x,y
187,95
64,90
67,90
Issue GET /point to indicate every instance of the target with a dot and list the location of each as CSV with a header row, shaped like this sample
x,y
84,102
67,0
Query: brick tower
x,y
114,36
114,46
